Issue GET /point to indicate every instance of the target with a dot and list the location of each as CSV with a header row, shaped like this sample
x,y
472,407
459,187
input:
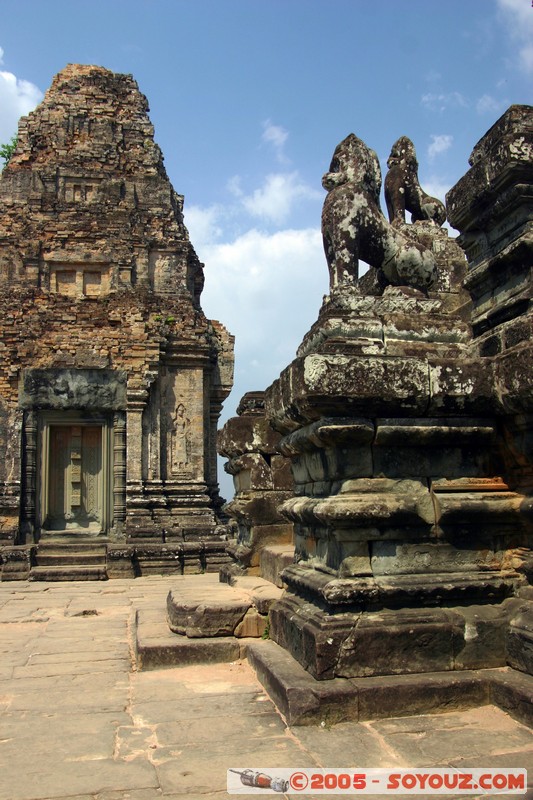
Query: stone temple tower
x,y
111,377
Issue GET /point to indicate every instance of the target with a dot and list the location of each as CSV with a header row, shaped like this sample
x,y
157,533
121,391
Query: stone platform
x,y
78,720
303,700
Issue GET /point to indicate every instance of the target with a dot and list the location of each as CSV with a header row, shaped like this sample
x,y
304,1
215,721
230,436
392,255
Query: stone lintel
x,y
187,355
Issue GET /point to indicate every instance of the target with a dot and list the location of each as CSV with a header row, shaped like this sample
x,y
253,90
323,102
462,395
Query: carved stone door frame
x,y
74,420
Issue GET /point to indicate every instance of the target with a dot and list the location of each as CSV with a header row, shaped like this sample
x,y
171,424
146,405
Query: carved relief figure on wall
x,y
180,441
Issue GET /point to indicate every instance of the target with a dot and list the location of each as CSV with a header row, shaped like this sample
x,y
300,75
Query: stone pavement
x,y
78,721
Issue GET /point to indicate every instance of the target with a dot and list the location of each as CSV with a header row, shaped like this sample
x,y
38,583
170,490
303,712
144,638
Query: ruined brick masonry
x,y
111,377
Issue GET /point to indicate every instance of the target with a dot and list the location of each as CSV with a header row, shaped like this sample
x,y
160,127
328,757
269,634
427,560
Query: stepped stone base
x,y
387,625
305,701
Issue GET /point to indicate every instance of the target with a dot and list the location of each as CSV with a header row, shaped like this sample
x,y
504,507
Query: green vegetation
x,y
6,150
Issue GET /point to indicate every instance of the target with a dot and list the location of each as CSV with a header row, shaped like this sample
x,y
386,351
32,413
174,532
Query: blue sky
x,y
249,99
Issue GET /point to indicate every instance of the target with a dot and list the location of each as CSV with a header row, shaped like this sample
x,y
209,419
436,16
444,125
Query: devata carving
x,y
180,441
353,225
403,191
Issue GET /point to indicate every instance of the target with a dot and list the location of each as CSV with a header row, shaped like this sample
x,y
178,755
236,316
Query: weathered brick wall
x,y
97,274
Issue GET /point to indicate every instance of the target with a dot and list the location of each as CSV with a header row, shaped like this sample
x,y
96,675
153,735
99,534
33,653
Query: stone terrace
x,y
78,721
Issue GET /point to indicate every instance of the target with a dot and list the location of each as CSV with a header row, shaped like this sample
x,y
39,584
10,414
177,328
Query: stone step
x,y
303,700
161,566
46,558
67,545
156,647
77,572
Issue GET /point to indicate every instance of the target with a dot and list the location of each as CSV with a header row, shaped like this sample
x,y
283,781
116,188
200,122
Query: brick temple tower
x,y
111,377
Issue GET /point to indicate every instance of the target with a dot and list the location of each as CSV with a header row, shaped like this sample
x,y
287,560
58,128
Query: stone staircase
x,y
62,559
210,618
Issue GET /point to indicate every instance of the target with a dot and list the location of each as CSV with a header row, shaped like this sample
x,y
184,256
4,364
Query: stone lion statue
x,y
403,191
353,225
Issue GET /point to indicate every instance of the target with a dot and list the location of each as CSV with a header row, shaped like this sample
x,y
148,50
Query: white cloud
x,y
518,15
234,186
434,101
17,98
439,144
204,224
276,136
275,200
488,105
267,290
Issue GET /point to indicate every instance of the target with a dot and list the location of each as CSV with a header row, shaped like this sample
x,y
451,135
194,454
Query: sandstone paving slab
x,y
83,629
107,604
82,737
19,635
47,779
199,680
481,732
70,701
72,588
88,683
57,669
90,614
132,794
207,707
15,659
229,728
522,759
42,725
11,613
78,656
182,770
347,744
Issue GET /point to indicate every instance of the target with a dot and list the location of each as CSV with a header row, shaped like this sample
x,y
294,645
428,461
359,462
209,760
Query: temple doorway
x,y
74,476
